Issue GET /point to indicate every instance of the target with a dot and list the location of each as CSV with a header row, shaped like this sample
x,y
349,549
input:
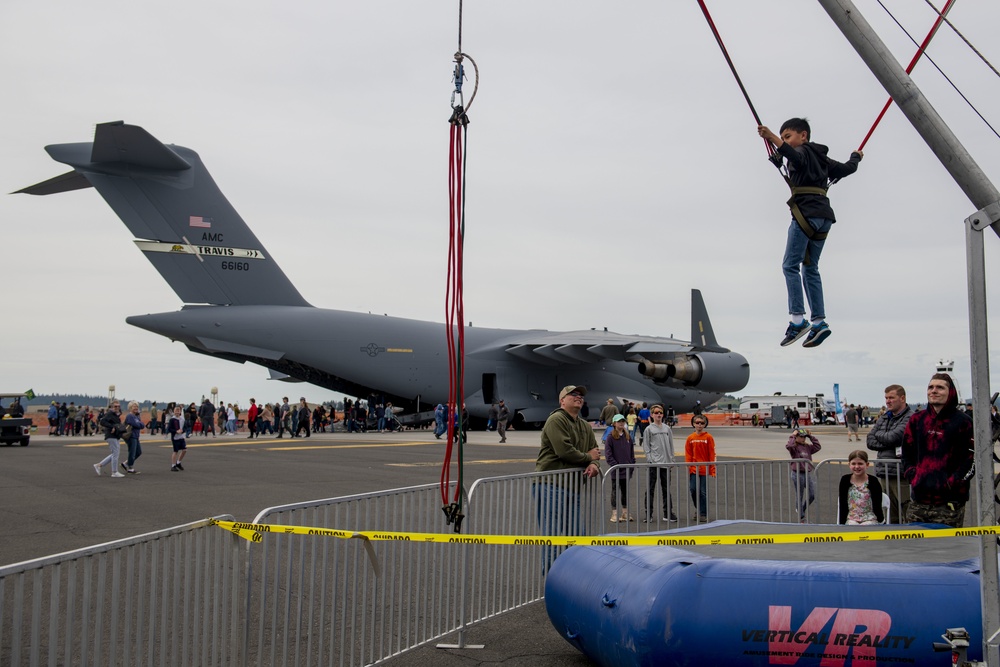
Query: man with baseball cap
x,y
568,443
567,439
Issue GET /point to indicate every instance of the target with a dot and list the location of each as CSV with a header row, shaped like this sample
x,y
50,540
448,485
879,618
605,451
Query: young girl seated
x,y
860,497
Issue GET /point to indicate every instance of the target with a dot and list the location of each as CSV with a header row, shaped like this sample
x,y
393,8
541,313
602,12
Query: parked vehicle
x,y
14,429
770,410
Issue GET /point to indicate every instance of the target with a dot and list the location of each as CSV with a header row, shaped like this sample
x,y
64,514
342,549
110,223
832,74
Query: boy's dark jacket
x,y
809,166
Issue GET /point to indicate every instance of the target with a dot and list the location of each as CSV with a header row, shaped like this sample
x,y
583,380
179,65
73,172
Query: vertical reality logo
x,y
855,632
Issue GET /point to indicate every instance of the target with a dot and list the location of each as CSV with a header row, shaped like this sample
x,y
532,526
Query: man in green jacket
x,y
568,439
568,448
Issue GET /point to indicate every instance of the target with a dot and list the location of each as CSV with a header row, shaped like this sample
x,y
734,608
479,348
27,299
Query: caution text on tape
x,y
254,532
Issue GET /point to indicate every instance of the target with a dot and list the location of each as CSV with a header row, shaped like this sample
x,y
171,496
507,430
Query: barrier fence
x,y
760,490
322,600
172,597
196,594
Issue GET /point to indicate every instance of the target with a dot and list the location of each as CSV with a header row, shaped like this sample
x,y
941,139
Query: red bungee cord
x,y
732,67
454,295
746,96
909,68
455,314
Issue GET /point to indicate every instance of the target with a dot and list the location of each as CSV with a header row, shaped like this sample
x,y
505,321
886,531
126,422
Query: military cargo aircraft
x,y
240,306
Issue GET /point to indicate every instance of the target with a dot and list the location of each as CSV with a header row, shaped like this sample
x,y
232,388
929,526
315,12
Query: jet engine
x,y
708,371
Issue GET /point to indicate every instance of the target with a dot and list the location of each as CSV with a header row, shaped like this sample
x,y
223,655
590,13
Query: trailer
x,y
769,410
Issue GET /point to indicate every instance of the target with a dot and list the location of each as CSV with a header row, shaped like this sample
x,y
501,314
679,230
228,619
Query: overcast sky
x,y
612,167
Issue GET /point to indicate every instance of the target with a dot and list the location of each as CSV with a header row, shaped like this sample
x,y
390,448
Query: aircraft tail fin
x,y
181,220
702,334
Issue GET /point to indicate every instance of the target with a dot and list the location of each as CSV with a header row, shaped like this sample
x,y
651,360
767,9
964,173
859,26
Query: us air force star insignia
x,y
372,349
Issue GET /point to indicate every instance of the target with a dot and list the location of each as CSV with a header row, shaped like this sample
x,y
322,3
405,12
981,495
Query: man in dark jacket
x,y
939,457
303,423
207,415
886,439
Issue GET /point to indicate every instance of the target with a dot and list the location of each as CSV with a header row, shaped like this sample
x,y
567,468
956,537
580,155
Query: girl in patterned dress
x,y
860,496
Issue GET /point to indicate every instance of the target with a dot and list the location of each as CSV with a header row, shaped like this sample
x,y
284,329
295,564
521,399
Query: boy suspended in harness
x,y
809,174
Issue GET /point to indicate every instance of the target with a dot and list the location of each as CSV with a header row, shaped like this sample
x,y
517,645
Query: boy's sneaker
x,y
179,466
794,332
124,466
817,334
174,468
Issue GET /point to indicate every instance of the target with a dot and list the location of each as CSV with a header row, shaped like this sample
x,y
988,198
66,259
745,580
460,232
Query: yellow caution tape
x,y
254,533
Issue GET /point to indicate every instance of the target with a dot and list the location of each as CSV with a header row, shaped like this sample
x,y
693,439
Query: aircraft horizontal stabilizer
x,y
63,183
132,145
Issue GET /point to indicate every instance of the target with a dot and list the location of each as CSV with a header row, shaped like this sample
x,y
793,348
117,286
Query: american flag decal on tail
x,y
198,221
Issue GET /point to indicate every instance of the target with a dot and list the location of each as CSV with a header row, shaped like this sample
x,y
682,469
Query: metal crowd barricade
x,y
325,600
830,472
320,600
171,597
505,577
198,595
756,490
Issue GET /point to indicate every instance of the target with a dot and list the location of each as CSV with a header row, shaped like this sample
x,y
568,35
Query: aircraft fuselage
x,y
357,353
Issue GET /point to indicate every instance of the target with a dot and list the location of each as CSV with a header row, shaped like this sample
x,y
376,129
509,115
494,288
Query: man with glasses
x,y
568,443
657,442
567,439
886,439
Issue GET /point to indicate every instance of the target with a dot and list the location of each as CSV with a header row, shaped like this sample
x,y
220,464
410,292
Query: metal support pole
x,y
463,604
984,196
979,346
924,118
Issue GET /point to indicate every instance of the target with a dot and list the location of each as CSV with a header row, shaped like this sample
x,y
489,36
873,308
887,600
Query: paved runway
x,y
54,502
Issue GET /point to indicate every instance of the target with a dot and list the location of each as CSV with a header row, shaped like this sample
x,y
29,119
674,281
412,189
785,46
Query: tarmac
x,y
54,501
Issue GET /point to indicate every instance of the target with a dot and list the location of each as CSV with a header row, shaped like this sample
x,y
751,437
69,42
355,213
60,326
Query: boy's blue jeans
x,y
798,274
698,486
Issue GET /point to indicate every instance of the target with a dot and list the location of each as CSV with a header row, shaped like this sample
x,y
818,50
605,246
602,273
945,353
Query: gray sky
x,y
612,167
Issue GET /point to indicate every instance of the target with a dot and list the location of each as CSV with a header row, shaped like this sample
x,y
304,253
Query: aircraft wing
x,y
701,363
585,347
